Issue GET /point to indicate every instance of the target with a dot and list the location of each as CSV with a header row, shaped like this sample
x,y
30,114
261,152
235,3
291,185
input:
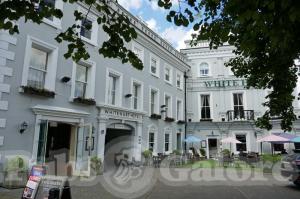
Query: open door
x,y
42,144
82,161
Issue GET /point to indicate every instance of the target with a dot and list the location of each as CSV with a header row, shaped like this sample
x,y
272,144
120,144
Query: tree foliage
x,y
116,25
265,34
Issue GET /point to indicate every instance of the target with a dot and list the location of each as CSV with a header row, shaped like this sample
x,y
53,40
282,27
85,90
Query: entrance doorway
x,y
212,147
178,139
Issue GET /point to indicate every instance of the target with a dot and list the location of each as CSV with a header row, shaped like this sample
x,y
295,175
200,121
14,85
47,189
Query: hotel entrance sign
x,y
225,83
120,114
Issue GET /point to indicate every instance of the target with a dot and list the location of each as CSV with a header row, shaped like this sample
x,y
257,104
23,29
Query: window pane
x,y
243,145
86,28
80,89
112,89
36,78
81,73
153,66
38,59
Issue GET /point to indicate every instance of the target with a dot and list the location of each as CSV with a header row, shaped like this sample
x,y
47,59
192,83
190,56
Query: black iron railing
x,y
238,115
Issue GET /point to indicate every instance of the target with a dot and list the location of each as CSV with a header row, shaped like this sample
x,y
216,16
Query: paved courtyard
x,y
185,186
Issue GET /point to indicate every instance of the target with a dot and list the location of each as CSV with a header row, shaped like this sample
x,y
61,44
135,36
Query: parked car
x,y
290,167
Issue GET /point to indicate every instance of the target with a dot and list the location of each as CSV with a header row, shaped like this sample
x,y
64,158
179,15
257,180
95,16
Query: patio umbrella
x,y
297,139
285,135
192,139
230,140
273,139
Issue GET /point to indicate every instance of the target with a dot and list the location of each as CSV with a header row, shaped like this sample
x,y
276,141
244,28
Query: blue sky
x,y
155,17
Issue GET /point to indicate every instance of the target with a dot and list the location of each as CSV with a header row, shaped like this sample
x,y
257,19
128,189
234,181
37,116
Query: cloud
x,y
177,35
154,6
131,4
152,24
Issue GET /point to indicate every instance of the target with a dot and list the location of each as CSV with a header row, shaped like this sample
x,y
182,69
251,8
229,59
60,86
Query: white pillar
x,y
101,139
138,142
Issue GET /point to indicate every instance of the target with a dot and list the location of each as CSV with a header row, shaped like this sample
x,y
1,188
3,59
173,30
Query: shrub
x,y
271,158
96,164
226,152
16,164
176,152
147,153
202,152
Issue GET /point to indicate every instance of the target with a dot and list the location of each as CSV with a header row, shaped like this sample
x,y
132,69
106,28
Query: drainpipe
x,y
185,107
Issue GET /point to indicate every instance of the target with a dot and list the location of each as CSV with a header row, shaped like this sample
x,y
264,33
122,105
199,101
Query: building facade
x,y
51,104
220,106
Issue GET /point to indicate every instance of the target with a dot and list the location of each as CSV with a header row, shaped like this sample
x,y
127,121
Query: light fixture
x,y
163,106
65,79
128,95
23,127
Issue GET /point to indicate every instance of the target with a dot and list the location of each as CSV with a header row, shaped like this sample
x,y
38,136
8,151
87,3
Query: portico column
x,y
138,142
101,138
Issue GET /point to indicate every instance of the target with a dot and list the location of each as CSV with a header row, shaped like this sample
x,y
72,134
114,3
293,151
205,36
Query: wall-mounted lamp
x,y
163,106
128,95
65,79
23,127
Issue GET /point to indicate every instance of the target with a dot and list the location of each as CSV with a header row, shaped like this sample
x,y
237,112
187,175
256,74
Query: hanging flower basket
x,y
38,91
169,119
180,122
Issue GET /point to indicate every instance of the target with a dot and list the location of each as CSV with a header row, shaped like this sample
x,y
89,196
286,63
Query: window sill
x,y
179,88
90,102
205,120
89,41
155,116
180,122
169,119
53,24
168,82
36,91
154,75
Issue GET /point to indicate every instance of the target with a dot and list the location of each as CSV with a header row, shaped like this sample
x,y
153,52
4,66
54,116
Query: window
x,y
154,66
81,81
238,106
168,74
53,21
51,4
154,109
112,85
243,145
178,139
138,50
205,107
167,142
203,69
278,147
151,141
37,68
179,110
136,95
86,28
40,64
168,106
179,80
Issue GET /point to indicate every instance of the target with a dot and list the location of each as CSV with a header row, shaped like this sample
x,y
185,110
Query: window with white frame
x,y
179,110
53,21
112,89
136,96
167,144
138,50
168,106
238,105
179,80
204,69
81,81
154,66
205,106
151,140
243,145
154,101
37,68
88,27
40,64
168,74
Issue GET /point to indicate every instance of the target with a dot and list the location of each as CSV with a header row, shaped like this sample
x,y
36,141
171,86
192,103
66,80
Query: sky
x,y
155,17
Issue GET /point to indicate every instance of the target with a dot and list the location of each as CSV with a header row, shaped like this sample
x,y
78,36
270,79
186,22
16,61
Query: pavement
x,y
180,183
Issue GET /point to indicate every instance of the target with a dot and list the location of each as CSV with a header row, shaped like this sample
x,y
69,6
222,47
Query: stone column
x,y
101,138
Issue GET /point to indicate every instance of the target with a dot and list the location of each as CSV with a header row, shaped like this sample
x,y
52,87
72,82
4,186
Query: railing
x,y
240,115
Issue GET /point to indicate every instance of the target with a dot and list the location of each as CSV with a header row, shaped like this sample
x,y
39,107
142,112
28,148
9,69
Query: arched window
x,y
203,69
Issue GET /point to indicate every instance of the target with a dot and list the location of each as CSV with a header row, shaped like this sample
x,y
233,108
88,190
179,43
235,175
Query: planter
x,y
180,122
80,100
155,116
37,91
205,120
169,119
15,179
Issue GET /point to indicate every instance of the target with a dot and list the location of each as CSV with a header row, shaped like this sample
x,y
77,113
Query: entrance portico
x,y
117,120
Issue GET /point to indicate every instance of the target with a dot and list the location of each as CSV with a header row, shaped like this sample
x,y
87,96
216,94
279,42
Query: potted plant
x,y
84,101
155,116
15,173
180,122
147,155
169,119
96,165
202,152
176,152
38,91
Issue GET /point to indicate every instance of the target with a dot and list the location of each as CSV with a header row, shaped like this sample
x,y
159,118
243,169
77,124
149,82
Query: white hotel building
x,y
219,106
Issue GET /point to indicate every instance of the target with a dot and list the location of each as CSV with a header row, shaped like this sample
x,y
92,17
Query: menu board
x,y
33,181
50,185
